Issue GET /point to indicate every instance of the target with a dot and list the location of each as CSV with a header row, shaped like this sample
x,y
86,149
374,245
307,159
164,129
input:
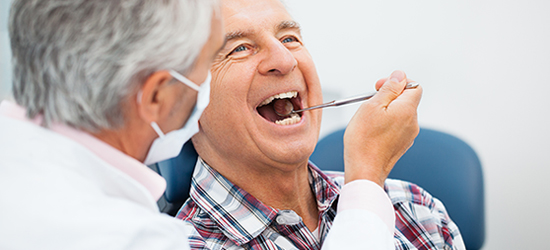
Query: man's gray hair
x,y
77,62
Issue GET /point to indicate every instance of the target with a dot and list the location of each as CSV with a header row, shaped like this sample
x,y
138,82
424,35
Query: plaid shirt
x,y
226,217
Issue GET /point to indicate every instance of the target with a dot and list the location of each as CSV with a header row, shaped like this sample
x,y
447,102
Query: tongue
x,y
282,107
268,113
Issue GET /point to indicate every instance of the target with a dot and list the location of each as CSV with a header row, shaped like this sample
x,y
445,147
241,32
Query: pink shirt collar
x,y
132,167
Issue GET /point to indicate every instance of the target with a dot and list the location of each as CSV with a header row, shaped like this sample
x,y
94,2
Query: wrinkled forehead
x,y
252,14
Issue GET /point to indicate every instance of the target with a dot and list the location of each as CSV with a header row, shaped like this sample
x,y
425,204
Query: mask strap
x,y
184,80
153,124
157,129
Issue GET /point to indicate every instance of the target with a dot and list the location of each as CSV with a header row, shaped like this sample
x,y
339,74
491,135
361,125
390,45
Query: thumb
x,y
392,88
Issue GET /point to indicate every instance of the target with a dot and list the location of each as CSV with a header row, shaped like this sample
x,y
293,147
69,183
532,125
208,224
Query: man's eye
x,y
289,40
239,49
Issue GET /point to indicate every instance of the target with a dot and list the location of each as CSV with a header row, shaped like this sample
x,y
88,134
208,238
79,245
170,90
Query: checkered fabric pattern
x,y
226,217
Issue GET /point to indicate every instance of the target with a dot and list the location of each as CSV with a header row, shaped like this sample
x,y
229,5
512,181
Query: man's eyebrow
x,y
246,33
238,34
288,25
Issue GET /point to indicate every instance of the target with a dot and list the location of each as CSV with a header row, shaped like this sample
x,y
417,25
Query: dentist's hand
x,y
381,130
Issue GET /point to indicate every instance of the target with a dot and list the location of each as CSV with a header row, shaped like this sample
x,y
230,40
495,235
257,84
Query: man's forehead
x,y
237,6
244,16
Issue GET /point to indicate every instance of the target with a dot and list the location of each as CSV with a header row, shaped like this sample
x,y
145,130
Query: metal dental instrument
x,y
348,100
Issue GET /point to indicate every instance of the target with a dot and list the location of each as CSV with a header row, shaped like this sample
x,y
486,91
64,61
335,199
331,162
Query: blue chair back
x,y
178,172
442,164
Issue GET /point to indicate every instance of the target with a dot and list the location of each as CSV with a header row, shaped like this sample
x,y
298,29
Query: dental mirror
x,y
283,107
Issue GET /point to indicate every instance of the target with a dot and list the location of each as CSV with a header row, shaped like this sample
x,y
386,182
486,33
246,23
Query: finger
x,y
392,88
381,82
409,98
413,95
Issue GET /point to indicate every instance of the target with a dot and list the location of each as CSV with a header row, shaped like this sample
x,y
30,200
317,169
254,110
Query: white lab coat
x,y
56,194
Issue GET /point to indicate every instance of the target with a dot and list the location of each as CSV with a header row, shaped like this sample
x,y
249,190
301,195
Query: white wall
x,y
483,66
5,54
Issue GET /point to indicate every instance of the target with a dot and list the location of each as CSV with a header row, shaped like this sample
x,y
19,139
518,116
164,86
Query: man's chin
x,y
287,144
291,152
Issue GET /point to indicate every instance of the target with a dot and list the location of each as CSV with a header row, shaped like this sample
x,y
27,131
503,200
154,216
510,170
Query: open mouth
x,y
275,107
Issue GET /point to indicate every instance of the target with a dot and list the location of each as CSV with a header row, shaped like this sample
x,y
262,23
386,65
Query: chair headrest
x,y
178,172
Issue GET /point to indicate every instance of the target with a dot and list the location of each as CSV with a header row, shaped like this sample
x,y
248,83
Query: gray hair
x,y
76,62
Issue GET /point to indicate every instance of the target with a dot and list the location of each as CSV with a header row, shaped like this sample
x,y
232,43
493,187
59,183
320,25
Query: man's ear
x,y
153,98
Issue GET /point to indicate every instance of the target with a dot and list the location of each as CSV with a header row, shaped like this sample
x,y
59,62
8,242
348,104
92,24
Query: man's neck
x,y
117,140
131,139
281,188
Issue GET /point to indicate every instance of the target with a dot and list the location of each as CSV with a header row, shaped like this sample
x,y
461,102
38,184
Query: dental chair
x,y
442,164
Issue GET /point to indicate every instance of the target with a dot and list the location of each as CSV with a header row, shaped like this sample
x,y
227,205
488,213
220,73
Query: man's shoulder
x,y
420,216
401,191
398,191
194,214
190,211
204,232
336,176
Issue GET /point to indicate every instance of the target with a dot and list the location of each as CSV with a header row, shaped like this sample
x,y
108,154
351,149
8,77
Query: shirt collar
x,y
238,214
325,189
154,183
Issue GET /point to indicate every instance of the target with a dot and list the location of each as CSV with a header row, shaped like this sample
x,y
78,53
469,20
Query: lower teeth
x,y
292,119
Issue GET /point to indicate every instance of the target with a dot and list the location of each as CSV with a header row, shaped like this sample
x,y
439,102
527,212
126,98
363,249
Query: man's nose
x,y
277,59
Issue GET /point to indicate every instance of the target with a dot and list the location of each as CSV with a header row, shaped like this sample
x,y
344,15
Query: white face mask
x,y
169,145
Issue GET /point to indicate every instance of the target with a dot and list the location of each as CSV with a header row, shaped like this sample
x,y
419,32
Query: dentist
x,y
101,87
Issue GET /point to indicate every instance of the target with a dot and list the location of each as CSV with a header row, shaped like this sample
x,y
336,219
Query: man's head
x,y
264,58
81,62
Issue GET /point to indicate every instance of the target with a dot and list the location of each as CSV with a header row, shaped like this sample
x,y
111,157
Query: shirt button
x,y
288,217
281,220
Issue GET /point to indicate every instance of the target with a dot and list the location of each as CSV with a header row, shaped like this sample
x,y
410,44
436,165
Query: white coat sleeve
x,y
365,219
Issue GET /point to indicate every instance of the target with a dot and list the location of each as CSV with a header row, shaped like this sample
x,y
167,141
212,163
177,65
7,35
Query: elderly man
x,y
97,95
253,187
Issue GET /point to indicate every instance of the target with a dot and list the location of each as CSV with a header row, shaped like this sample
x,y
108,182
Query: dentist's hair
x,y
76,62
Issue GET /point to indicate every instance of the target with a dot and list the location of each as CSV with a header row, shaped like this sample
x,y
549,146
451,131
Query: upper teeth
x,y
290,94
